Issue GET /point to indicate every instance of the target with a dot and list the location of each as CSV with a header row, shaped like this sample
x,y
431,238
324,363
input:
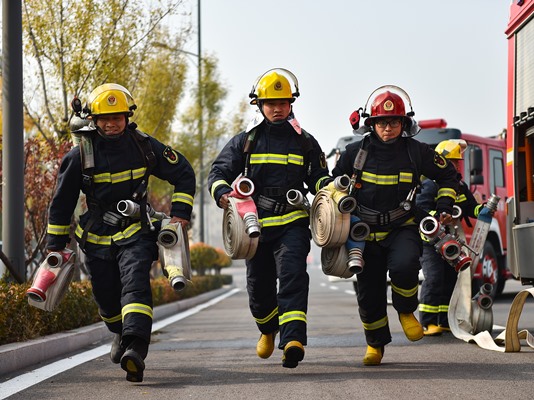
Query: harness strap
x,y
373,217
274,206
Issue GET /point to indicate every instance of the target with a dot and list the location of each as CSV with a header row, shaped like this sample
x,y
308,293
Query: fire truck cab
x,y
520,141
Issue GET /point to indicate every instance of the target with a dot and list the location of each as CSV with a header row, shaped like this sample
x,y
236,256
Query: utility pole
x,y
200,133
13,138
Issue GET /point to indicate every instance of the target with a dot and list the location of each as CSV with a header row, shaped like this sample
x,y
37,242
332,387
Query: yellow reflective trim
x,y
136,308
461,198
106,240
380,179
292,316
118,177
405,177
182,198
295,159
404,292
128,232
318,184
444,308
447,192
138,173
376,325
216,184
268,159
283,219
428,308
111,320
92,238
376,236
273,314
58,229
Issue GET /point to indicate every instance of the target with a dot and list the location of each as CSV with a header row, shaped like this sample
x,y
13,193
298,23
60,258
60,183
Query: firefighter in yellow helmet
x,y
440,277
277,155
113,162
385,166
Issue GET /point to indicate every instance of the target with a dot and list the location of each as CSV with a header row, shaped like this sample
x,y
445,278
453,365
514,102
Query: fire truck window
x,y
467,162
497,170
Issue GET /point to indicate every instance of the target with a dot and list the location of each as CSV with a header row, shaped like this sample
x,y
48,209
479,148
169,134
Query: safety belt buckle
x,y
87,179
279,208
384,218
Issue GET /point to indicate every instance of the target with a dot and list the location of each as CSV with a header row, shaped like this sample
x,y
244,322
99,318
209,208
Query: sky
x,y
449,56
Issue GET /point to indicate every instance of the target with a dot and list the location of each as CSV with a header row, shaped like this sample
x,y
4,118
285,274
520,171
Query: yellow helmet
x,y
274,85
452,149
111,98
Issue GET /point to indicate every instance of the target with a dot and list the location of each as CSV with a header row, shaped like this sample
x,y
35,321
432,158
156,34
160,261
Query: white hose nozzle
x,y
244,187
252,225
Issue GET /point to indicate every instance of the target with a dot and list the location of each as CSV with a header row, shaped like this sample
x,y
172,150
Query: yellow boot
x,y
411,326
293,353
433,330
373,355
265,346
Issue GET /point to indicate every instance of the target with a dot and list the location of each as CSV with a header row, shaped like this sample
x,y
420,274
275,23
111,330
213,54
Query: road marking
x,y
24,381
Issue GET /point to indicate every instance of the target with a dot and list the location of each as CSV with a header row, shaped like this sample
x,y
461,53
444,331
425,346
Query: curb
x,y
17,356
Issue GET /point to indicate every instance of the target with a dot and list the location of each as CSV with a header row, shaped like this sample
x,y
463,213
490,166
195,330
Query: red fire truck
x,y
520,141
483,169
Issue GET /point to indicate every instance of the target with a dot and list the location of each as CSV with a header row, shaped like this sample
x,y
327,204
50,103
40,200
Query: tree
x,y
72,47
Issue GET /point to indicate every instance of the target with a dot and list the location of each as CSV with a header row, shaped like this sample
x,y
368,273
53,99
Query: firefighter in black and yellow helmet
x,y
440,277
385,167
277,155
113,162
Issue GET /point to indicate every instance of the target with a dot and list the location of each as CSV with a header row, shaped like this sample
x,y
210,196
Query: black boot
x,y
132,360
117,350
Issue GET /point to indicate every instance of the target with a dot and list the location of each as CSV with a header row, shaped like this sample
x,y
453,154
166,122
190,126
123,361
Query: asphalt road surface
x,y
209,353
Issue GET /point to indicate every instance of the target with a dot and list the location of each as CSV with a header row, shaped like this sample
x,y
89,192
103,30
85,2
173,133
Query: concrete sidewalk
x,y
17,356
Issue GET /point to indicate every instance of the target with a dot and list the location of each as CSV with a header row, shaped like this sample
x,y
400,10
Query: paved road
x,y
210,354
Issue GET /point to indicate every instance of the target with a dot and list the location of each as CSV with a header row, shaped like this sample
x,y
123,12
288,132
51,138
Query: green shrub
x,y
20,322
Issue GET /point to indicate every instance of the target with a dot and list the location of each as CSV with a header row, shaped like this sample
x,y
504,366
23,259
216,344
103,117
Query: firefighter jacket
x,y
390,171
464,198
119,168
280,159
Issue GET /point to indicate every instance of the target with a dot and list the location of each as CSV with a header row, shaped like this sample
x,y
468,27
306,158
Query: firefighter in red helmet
x,y
385,167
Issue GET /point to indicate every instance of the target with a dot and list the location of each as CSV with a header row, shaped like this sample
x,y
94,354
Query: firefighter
x,y
385,167
440,277
112,163
277,155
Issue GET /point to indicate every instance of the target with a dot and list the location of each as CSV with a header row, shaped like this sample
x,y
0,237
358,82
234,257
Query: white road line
x,y
31,378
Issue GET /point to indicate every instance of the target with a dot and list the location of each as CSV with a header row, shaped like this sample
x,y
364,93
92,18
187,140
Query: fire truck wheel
x,y
489,269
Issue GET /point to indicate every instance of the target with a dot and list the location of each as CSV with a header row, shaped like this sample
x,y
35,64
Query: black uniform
x,y
440,276
390,171
280,160
118,256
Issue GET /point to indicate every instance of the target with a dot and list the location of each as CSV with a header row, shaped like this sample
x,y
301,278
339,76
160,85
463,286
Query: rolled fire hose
x,y
329,227
52,280
174,255
467,319
237,243
334,261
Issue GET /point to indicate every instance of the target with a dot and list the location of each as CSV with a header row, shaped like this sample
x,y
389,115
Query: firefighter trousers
x,y
437,288
282,255
399,255
121,287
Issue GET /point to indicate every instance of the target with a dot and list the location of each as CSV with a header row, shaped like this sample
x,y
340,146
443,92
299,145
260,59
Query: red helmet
x,y
387,104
